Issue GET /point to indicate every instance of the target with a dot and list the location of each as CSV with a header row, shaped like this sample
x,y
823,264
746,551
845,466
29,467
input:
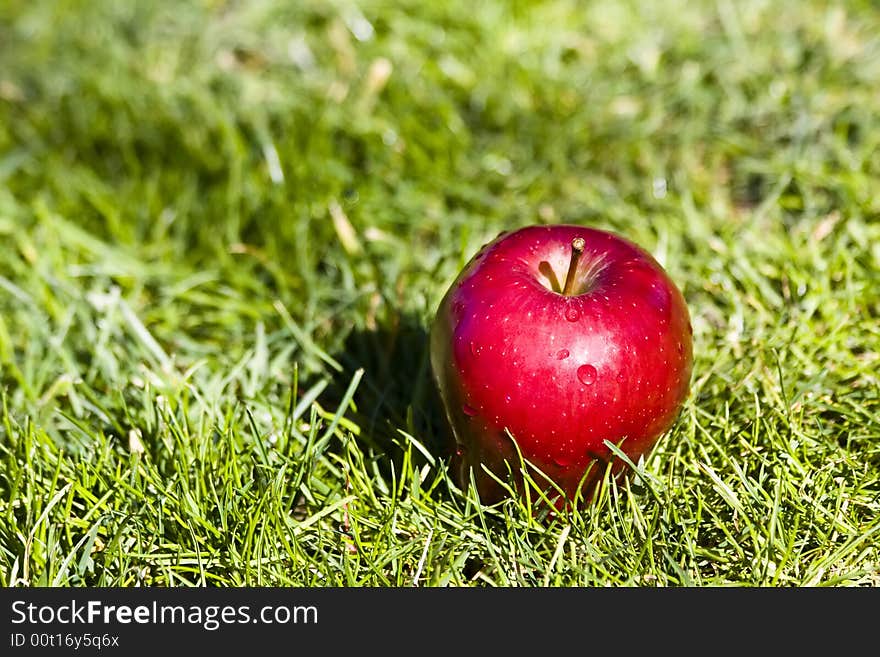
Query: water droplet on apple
x,y
587,374
562,460
572,314
620,376
680,348
474,349
468,410
562,354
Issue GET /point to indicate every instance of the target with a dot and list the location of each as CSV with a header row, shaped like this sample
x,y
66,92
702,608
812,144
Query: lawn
x,y
225,227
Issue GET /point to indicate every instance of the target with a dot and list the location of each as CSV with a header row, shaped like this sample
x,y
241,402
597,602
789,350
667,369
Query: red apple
x,y
563,337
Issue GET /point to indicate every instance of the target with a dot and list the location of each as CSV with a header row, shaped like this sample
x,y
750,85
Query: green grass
x,y
225,227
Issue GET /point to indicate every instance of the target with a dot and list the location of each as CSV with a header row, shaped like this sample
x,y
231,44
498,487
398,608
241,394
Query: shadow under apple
x,y
396,392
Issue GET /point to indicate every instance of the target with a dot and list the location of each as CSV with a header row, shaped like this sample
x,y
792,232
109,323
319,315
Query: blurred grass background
x,y
225,227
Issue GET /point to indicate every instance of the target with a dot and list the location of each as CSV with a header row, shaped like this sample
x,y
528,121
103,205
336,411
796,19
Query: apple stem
x,y
577,250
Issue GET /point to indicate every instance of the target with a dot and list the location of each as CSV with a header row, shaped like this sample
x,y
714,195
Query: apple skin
x,y
561,373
